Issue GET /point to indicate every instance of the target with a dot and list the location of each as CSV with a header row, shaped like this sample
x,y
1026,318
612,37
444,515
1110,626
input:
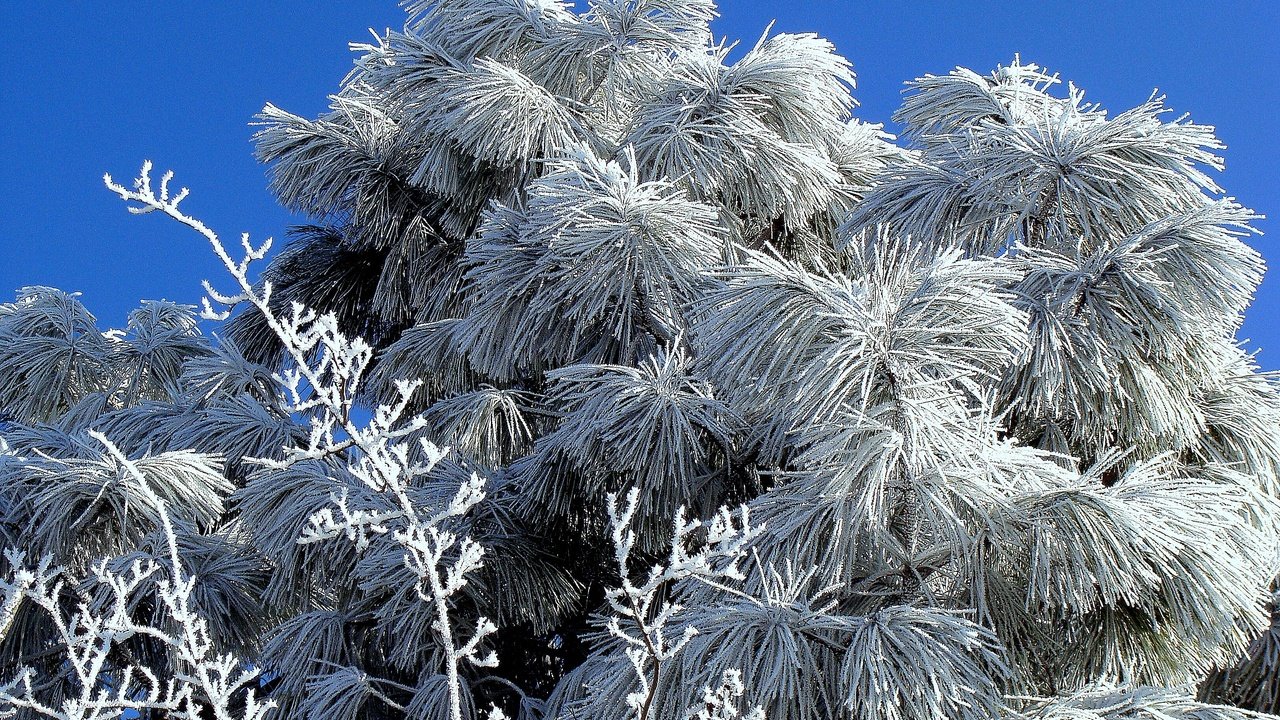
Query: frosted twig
x,y
324,377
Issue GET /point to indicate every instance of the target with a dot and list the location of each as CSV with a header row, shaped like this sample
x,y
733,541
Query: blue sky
x,y
97,87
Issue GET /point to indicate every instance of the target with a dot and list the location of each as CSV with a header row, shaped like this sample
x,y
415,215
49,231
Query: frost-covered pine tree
x,y
623,374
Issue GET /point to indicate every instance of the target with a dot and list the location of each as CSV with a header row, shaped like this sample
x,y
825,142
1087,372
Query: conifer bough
x,y
622,374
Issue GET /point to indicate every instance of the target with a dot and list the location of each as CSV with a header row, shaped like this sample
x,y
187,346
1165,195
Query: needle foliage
x,y
623,373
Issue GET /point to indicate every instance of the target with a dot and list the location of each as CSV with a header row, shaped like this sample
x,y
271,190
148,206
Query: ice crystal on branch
x,y
976,394
321,383
640,613
203,680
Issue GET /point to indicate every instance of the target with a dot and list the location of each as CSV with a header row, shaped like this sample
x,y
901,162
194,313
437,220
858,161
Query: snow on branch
x,y
321,381
642,611
205,683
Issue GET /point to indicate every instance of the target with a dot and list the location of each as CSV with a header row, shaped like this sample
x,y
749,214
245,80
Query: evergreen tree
x,y
964,414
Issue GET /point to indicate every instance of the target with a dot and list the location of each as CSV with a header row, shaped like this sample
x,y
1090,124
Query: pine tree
x,y
616,377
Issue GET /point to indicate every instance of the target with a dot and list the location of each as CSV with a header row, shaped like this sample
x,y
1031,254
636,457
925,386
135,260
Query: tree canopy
x,y
622,373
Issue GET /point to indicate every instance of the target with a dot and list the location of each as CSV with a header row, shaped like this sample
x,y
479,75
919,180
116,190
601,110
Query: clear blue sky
x,y
93,87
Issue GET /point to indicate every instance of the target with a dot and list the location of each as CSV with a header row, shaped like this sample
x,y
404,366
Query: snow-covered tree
x,y
623,374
